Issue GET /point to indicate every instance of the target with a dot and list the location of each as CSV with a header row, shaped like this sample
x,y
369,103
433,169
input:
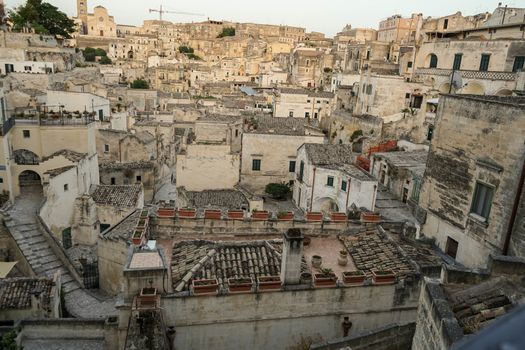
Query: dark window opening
x,y
457,61
113,181
484,63
433,61
291,166
330,181
256,165
343,185
482,201
452,248
519,63
26,134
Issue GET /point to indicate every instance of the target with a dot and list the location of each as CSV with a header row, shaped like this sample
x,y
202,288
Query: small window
x,y
519,63
256,165
100,114
113,181
66,187
318,101
484,63
290,114
482,200
457,61
26,133
1,180
433,61
407,95
291,166
236,133
452,248
308,101
430,132
27,68
445,23
409,64
307,114
301,171
343,185
106,148
330,181
139,178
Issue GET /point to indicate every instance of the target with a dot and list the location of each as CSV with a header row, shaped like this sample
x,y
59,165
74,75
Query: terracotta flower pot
x,y
269,283
317,261
187,213
370,218
325,280
314,216
338,217
166,212
212,214
342,260
383,276
240,285
235,214
205,287
354,278
288,216
260,215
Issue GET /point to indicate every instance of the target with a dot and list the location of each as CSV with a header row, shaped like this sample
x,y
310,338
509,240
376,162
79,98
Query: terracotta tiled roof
x,y
321,154
124,229
68,154
204,260
55,172
117,196
15,293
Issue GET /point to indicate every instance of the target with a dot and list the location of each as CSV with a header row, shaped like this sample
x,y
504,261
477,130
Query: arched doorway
x,y
326,205
30,182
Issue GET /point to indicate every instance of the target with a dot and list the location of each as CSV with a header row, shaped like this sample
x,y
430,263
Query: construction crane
x,y
161,12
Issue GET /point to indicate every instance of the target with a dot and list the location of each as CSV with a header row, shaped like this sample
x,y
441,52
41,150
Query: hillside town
x,y
226,185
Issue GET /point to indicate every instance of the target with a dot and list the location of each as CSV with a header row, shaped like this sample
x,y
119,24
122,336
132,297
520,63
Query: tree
x,y
89,54
105,60
43,17
277,191
186,49
227,31
140,84
8,341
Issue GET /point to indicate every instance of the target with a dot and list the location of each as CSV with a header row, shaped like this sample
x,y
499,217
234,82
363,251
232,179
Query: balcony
x,y
55,119
469,74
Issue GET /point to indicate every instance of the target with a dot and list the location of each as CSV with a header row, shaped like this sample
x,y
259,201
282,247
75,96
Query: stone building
x,y
400,30
307,104
471,188
129,173
328,181
260,164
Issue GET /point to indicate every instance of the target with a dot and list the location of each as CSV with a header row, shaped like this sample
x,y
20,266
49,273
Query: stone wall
x,y
285,319
390,337
437,327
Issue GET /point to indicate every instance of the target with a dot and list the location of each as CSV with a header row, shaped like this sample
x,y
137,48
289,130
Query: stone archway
x,y
504,92
30,182
473,88
326,205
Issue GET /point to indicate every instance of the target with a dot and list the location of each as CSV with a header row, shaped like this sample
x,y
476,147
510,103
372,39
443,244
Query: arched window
x,y
433,61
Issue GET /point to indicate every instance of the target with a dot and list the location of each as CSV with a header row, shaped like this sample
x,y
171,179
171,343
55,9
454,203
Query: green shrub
x,y
228,31
277,191
140,84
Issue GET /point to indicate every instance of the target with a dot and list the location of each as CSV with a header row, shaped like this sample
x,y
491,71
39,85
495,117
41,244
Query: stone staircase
x,y
22,223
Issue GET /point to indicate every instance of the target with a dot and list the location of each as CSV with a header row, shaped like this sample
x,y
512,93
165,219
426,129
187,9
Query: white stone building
x,y
299,103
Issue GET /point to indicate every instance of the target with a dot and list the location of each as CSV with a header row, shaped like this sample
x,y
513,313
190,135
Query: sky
x,y
328,16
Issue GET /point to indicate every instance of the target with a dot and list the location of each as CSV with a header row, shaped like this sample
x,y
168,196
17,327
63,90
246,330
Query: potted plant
x,y
285,216
354,278
383,276
138,236
338,217
317,261
166,212
306,278
240,285
268,283
307,240
235,214
342,260
326,278
261,215
370,218
212,214
314,216
187,213
205,286
144,213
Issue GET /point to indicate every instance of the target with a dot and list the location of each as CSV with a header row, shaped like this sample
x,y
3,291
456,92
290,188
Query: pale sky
x,y
328,16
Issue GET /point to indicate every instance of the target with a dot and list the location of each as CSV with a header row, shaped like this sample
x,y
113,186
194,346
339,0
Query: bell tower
x,y
82,13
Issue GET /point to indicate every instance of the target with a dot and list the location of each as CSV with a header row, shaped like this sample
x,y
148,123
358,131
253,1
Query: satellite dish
x,y
456,80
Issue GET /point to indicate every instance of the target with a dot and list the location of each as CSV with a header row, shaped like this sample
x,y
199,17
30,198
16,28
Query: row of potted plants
x,y
326,278
139,233
236,285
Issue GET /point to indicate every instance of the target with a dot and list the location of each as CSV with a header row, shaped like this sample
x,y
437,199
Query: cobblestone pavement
x,y
21,221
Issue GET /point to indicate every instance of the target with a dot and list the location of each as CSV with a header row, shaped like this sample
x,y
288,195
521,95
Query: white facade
x,y
78,101
30,67
304,105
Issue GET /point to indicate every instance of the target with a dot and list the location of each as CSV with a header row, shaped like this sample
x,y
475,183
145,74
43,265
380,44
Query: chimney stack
x,y
291,259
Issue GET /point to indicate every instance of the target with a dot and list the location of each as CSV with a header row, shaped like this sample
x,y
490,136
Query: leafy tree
x,y
43,17
193,56
105,60
100,52
140,84
89,54
186,49
227,31
8,341
356,134
277,191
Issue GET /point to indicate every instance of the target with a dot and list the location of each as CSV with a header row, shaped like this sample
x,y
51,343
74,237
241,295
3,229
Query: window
x,y
291,166
307,114
416,101
433,61
457,61
484,63
290,114
330,181
236,133
407,95
482,200
519,63
315,115
1,180
256,165
368,55
66,187
113,181
106,148
308,101
445,23
409,64
343,185
27,68
139,178
100,114
26,134
301,171
318,101
452,248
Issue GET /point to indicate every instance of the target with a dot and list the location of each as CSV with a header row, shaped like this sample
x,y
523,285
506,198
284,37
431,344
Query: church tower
x,y
82,13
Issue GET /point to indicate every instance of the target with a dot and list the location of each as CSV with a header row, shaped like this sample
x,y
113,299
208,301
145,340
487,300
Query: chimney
x,y
291,259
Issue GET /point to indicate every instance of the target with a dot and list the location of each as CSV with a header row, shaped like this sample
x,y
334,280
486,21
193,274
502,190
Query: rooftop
x,y
58,171
123,166
321,154
219,199
352,171
117,196
310,93
15,293
146,260
400,159
144,136
217,118
517,101
72,156
124,228
281,126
